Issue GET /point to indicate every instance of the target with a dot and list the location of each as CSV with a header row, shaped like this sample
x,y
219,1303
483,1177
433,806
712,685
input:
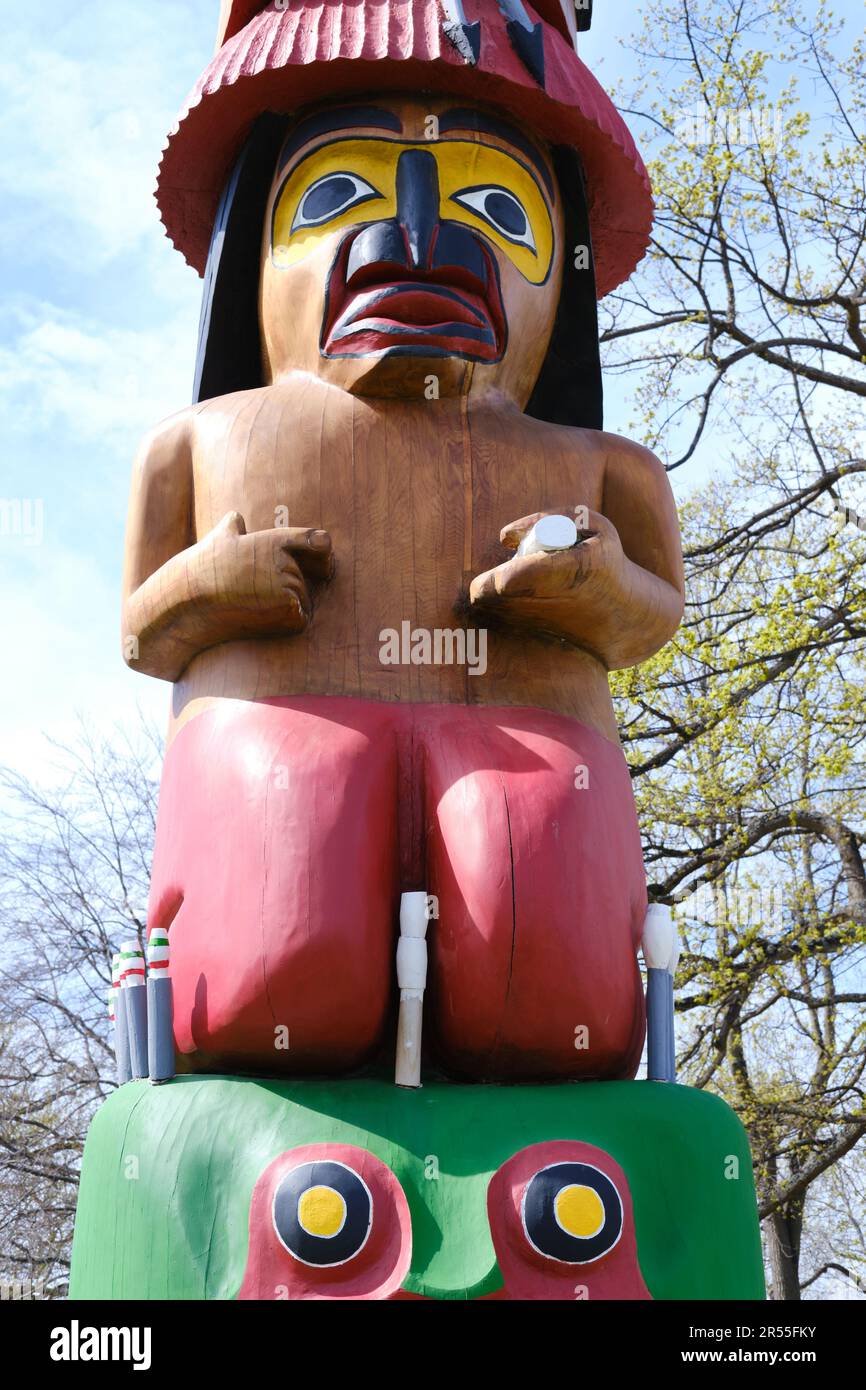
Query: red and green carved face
x,y
330,1221
358,1188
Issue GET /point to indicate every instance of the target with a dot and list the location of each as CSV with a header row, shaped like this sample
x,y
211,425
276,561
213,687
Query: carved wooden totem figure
x,y
389,671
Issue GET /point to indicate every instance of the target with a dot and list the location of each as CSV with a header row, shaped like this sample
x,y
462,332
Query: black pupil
x,y
508,213
327,196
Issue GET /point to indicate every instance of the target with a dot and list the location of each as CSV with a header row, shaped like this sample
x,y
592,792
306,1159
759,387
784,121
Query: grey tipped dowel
x,y
657,1061
671,974
412,980
660,945
132,981
160,1009
121,1029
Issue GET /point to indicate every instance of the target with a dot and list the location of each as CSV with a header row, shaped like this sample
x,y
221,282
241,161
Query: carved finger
x,y
311,548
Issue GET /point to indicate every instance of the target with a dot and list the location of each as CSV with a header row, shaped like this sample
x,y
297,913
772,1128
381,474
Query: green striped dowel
x,y
160,1014
132,983
121,1026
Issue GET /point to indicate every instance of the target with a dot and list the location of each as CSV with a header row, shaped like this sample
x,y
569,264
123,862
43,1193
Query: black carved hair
x,y
568,390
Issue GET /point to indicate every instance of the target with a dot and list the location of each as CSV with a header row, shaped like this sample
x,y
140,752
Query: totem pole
x,y
386,560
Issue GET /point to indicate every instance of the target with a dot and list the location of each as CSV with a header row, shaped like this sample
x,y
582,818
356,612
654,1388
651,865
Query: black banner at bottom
x,y
255,1339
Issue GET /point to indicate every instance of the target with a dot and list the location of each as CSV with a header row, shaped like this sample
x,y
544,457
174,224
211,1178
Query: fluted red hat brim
x,y
312,50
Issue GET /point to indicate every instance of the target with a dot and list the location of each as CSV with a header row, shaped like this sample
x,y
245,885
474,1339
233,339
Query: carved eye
x,y
329,196
501,210
322,1213
572,1212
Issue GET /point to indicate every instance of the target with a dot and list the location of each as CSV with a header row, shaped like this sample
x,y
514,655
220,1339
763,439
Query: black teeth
x,y
528,44
466,38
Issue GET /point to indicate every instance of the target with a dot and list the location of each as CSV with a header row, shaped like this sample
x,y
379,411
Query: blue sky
x,y
97,335
98,320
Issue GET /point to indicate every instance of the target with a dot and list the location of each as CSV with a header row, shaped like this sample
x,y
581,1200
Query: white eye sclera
x,y
330,196
501,210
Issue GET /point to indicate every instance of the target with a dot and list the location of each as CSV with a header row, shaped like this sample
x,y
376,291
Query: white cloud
x,y
60,621
64,373
75,397
97,338
86,106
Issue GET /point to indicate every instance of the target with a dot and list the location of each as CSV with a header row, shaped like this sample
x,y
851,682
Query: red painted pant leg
x,y
541,894
277,848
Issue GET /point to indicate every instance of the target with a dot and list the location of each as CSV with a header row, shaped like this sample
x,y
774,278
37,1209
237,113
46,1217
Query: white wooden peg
x,y
412,980
661,951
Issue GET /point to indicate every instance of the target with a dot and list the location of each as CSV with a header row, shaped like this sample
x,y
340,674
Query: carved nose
x,y
418,204
415,239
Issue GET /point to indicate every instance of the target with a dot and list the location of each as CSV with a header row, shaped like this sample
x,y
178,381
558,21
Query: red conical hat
x,y
234,14
296,52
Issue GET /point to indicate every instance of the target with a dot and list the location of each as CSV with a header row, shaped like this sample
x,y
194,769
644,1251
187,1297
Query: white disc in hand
x,y
549,533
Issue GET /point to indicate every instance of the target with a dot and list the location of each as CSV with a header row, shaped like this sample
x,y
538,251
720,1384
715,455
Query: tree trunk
x,y
785,1231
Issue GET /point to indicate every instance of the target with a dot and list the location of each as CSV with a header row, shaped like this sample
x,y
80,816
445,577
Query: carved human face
x,y
407,241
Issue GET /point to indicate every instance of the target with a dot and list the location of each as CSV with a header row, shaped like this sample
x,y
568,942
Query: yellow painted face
x,y
351,182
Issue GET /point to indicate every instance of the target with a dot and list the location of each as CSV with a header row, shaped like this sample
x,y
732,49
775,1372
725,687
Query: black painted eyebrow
x,y
337,118
464,118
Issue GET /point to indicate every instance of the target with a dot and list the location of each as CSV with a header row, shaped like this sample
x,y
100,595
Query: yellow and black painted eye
x,y
349,181
572,1212
331,196
501,210
322,1213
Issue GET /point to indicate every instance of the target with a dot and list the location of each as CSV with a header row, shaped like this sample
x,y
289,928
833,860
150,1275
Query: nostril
x,y
377,273
456,245
382,244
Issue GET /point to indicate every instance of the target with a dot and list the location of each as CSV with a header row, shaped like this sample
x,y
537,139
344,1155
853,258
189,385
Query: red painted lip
x,y
448,310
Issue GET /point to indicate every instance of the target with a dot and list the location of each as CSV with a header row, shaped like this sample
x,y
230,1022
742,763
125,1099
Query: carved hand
x,y
591,594
230,584
264,572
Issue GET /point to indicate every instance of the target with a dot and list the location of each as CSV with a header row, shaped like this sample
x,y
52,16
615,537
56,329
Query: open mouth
x,y
385,308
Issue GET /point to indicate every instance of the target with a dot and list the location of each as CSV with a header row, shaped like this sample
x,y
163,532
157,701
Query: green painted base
x,y
169,1170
